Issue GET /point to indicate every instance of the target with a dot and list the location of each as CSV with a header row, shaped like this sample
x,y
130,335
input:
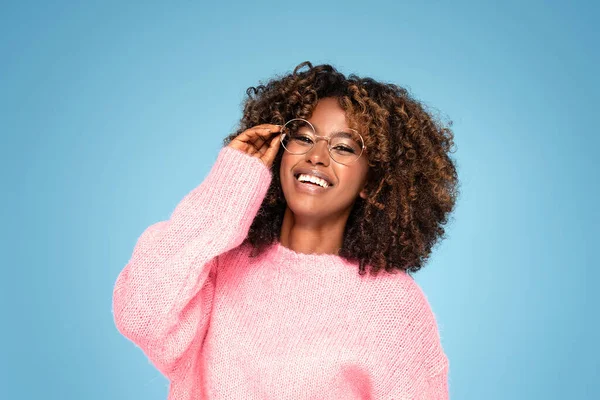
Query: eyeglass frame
x,y
327,138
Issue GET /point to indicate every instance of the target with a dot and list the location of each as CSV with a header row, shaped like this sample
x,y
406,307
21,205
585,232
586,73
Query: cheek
x,y
354,178
285,160
288,161
284,166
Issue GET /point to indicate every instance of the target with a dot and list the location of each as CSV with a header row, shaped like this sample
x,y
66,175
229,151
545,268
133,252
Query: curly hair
x,y
412,184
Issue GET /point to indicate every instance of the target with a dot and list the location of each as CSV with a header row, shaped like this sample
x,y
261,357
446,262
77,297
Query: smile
x,y
305,178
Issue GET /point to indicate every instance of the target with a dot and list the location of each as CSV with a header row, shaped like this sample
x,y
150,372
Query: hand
x,y
260,141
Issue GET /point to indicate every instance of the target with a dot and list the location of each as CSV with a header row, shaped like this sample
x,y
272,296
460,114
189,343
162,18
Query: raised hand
x,y
260,141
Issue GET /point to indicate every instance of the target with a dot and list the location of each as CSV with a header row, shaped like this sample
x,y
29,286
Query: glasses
x,y
298,136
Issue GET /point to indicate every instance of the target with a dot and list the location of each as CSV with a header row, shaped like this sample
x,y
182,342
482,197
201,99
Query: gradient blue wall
x,y
110,112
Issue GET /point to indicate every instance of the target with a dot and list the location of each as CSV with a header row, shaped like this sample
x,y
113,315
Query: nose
x,y
319,154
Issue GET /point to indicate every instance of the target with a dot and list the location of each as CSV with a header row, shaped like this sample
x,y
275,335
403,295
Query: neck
x,y
308,236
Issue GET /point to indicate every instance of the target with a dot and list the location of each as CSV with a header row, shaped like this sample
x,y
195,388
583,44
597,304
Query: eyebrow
x,y
347,134
342,132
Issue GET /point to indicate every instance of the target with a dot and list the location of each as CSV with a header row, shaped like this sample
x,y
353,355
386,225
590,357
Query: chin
x,y
314,211
306,208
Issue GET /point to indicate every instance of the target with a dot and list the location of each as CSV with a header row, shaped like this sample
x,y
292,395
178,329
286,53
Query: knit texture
x,y
220,324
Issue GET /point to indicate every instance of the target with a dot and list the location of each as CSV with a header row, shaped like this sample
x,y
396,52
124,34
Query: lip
x,y
314,172
308,188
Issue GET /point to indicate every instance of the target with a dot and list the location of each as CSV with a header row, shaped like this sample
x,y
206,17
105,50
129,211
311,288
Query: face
x,y
345,182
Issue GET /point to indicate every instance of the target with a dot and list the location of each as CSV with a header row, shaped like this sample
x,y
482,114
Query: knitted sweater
x,y
220,324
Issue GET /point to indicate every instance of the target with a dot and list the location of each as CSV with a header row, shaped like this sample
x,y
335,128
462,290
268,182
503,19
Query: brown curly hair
x,y
412,184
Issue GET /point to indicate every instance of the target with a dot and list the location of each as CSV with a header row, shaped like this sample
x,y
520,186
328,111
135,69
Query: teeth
x,y
313,179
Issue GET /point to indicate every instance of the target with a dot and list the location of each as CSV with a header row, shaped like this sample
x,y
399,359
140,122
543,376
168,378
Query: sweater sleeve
x,y
437,388
418,335
162,299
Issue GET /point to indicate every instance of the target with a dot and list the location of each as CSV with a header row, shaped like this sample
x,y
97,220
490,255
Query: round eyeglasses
x,y
298,136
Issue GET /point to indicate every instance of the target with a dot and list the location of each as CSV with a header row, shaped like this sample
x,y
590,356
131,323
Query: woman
x,y
256,287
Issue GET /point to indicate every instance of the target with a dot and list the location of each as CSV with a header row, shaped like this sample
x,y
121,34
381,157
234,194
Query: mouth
x,y
312,180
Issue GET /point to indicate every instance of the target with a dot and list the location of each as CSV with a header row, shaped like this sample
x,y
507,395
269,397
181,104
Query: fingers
x,y
269,155
262,140
258,140
259,132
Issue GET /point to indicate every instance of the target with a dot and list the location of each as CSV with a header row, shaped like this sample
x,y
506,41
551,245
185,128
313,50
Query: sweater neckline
x,y
311,262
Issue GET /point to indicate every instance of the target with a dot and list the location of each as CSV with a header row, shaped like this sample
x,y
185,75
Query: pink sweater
x,y
221,325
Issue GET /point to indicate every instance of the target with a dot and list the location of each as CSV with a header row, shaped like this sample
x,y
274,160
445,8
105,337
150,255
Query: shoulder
x,y
407,316
413,295
406,301
235,256
401,291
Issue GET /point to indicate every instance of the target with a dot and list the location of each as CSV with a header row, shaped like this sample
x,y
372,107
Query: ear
x,y
363,194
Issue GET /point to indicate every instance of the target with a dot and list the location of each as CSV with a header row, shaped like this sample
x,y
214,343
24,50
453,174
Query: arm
x,y
437,388
416,361
163,297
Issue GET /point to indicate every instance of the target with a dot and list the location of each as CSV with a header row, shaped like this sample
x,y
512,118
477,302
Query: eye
x,y
343,149
302,138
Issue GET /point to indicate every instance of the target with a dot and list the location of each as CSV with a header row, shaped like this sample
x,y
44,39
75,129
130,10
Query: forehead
x,y
328,116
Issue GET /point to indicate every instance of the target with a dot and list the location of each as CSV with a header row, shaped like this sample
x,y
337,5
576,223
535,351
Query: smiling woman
x,y
256,287
316,215
412,185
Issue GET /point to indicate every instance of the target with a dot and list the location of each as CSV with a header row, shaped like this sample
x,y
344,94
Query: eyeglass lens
x,y
300,138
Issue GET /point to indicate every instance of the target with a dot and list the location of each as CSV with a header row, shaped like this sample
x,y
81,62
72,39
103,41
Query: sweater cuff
x,y
234,189
240,173
230,159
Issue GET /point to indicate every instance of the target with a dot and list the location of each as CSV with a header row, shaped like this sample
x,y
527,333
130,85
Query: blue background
x,y
111,112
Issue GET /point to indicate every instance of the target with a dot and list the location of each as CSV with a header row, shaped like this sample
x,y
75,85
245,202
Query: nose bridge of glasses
x,y
342,147
326,139
323,149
